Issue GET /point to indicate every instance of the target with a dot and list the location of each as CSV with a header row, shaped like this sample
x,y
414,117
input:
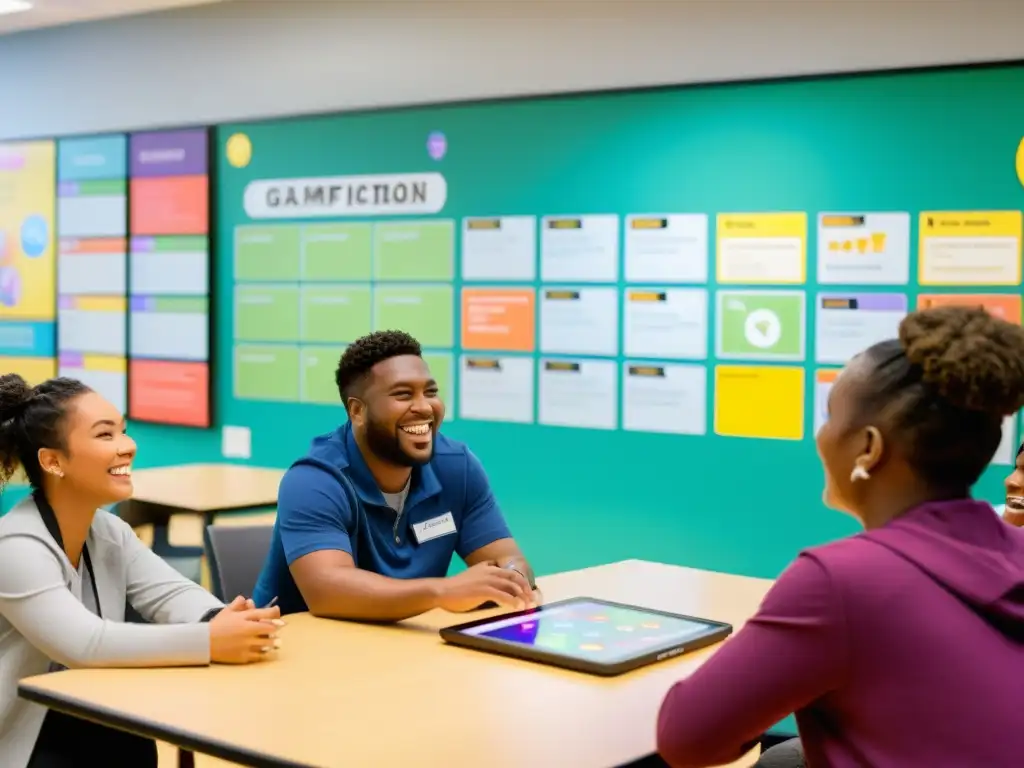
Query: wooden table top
x,y
343,694
204,488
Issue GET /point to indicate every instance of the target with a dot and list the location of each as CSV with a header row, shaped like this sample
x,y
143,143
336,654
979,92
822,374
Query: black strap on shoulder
x,y
50,521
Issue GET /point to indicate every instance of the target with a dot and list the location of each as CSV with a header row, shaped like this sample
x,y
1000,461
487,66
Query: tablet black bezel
x,y
456,635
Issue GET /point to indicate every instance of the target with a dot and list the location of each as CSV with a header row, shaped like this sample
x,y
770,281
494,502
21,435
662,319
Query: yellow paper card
x,y
755,248
759,401
970,248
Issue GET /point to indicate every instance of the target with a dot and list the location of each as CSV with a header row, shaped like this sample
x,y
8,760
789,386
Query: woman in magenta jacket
x,y
903,645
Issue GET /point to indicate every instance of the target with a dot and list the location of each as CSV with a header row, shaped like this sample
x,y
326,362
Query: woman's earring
x,y
58,472
859,473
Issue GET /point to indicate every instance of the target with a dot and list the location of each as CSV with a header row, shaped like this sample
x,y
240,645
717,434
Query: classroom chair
x,y
235,556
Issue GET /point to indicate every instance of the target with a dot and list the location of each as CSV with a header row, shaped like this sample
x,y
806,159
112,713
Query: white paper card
x,y
864,248
579,321
847,324
666,323
668,398
496,388
578,393
583,249
667,248
499,248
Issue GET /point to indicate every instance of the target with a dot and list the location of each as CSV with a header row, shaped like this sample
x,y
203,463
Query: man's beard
x,y
386,446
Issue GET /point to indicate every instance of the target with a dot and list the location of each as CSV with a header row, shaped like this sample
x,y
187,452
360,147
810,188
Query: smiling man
x,y
368,521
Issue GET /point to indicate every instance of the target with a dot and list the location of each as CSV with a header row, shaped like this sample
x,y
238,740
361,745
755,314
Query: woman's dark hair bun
x,y
975,361
15,394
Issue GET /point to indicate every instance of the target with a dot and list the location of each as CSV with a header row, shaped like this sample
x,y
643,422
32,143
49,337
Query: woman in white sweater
x,y
68,569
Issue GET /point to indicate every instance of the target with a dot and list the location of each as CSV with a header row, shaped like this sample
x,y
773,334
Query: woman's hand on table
x,y
243,634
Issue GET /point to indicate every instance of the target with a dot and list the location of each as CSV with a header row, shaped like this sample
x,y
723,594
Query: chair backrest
x,y
235,555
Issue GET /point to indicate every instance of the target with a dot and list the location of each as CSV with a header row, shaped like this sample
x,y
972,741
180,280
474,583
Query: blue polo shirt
x,y
450,509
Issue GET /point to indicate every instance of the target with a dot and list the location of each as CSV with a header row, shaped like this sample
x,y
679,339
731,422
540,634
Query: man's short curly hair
x,y
360,356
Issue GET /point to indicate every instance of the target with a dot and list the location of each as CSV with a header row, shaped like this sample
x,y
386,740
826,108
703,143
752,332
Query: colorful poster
x,y
169,307
864,248
764,402
756,248
970,248
27,265
760,325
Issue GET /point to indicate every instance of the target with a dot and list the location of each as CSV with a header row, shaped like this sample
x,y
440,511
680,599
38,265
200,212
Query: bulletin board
x,y
634,303
92,263
169,278
27,266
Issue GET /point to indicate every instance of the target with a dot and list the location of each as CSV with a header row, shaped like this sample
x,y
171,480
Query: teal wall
x,y
906,142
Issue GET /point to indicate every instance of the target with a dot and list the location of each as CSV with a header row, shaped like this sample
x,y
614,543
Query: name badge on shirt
x,y
434,528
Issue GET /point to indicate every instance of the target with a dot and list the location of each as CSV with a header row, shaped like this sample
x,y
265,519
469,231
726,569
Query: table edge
x,y
179,738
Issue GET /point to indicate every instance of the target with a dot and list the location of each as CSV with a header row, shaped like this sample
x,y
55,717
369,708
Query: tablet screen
x,y
592,630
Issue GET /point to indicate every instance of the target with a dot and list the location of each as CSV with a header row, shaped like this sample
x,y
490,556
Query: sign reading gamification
x,y
396,194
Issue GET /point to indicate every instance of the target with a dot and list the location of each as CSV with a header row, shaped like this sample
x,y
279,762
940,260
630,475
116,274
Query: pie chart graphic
x,y
762,328
10,286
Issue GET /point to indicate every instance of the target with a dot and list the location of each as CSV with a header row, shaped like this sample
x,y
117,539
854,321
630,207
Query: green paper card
x,y
266,313
335,314
266,372
414,250
318,367
337,253
269,254
761,325
425,311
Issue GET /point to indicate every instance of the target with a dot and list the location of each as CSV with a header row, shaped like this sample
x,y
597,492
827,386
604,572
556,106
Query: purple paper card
x,y
71,360
885,302
66,302
143,244
140,304
67,189
169,153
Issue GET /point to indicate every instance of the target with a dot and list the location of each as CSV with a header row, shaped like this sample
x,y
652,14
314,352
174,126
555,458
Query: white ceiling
x,y
52,13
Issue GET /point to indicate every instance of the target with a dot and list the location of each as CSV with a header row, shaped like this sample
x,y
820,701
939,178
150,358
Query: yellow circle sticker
x,y
239,150
1020,161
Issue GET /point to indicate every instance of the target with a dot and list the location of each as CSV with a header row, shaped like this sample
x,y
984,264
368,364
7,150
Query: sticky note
x,y
759,401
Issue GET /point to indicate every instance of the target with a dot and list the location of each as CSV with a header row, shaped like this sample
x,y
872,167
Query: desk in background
x,y
345,694
204,490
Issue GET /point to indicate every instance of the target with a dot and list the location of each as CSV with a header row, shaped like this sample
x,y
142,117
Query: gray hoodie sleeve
x,y
157,591
36,601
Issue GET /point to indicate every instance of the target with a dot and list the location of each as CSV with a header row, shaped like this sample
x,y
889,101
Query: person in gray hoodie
x,y
68,569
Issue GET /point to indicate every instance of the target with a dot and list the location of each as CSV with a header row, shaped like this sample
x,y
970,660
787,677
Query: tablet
x,y
589,635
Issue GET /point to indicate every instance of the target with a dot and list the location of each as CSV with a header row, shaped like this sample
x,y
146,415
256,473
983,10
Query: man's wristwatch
x,y
511,566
